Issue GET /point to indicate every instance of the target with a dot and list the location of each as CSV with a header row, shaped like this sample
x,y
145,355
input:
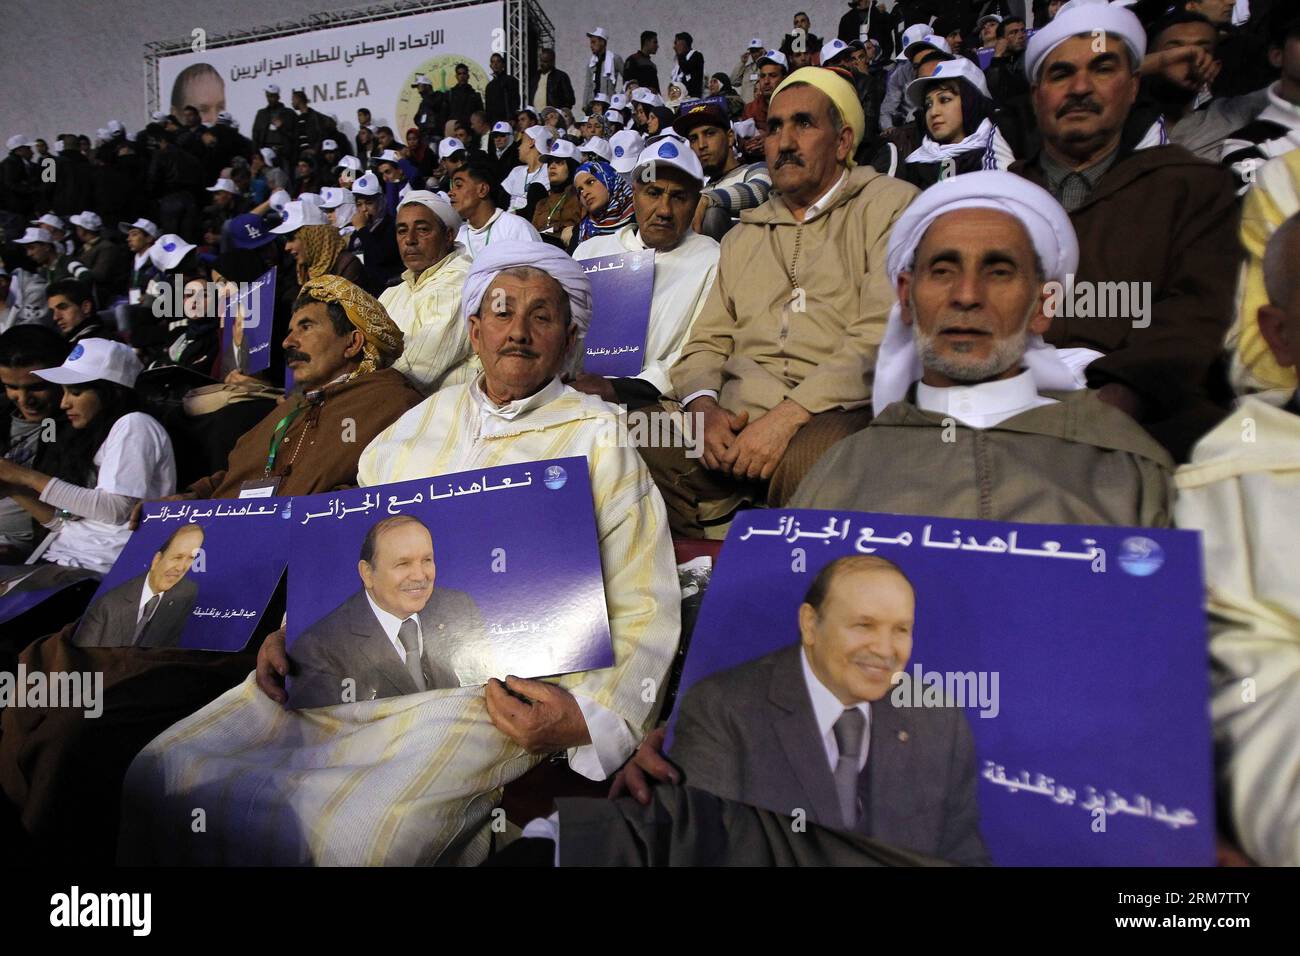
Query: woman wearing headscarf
x,y
321,251
557,215
419,154
720,85
607,198
960,134
658,119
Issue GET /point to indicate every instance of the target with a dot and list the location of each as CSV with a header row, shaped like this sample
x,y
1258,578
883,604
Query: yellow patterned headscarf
x,y
318,247
383,337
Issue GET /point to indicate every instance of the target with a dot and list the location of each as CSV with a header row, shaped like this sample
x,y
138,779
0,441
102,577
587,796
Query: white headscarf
x,y
1053,238
1084,18
500,256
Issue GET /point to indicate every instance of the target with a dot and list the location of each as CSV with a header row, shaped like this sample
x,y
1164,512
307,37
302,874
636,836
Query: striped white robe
x,y
414,779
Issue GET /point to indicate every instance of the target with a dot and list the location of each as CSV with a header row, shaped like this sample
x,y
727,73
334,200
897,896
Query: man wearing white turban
x,y
973,261
1151,218
424,771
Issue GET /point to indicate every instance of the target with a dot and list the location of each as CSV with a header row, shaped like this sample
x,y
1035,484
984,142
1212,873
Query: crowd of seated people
x,y
1072,246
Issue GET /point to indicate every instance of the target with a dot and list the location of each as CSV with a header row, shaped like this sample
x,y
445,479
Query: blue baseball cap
x,y
249,232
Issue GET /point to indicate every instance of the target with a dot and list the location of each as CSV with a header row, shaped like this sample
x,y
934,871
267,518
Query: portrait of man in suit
x,y
397,635
149,610
813,727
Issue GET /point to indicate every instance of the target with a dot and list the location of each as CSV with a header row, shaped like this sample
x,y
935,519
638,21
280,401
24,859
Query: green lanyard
x,y
281,429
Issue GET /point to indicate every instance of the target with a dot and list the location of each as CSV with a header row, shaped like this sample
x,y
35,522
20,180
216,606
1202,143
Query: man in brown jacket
x,y
779,361
1151,218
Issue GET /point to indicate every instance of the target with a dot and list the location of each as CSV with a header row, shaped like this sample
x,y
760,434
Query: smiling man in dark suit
x,y
150,610
397,635
808,734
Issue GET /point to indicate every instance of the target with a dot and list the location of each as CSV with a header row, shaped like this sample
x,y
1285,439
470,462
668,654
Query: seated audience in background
x,y
109,458
50,262
730,185
480,202
425,304
1151,218
73,306
1239,490
1274,197
375,237
106,262
319,250
558,212
1276,129
779,360
31,424
1021,439
960,133
605,196
1179,65
666,186
533,141
527,305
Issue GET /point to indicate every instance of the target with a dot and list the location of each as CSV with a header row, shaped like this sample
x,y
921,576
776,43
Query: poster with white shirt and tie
x,y
194,574
622,288
1035,695
445,582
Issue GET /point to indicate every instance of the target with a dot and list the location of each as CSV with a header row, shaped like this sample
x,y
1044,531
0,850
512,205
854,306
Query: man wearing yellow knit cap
x,y
780,360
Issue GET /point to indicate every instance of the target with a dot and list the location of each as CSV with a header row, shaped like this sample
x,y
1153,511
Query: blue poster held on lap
x,y
1076,654
622,286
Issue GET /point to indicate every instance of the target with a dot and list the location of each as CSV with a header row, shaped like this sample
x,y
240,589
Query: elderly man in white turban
x,y
779,360
1158,251
426,303
976,261
414,779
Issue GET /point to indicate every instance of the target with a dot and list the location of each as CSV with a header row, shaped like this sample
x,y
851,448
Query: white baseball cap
x,y
115,126
37,234
271,88
755,43
224,186
268,155
929,41
421,80
774,56
502,127
626,146
329,146
224,118
436,201
598,146
387,156
614,117
157,116
831,49
49,219
643,94
87,220
598,32
298,214
366,185
169,250
144,225
540,135
958,67
669,149
448,145
94,360
331,197
17,141
600,98
618,101
560,149
912,34
348,162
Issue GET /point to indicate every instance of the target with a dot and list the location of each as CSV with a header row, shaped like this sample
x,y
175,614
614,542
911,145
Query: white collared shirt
x,y
146,593
819,207
391,624
827,709
502,226
495,419
983,405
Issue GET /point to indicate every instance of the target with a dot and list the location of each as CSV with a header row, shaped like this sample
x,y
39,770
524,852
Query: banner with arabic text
x,y
194,574
498,570
1078,654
